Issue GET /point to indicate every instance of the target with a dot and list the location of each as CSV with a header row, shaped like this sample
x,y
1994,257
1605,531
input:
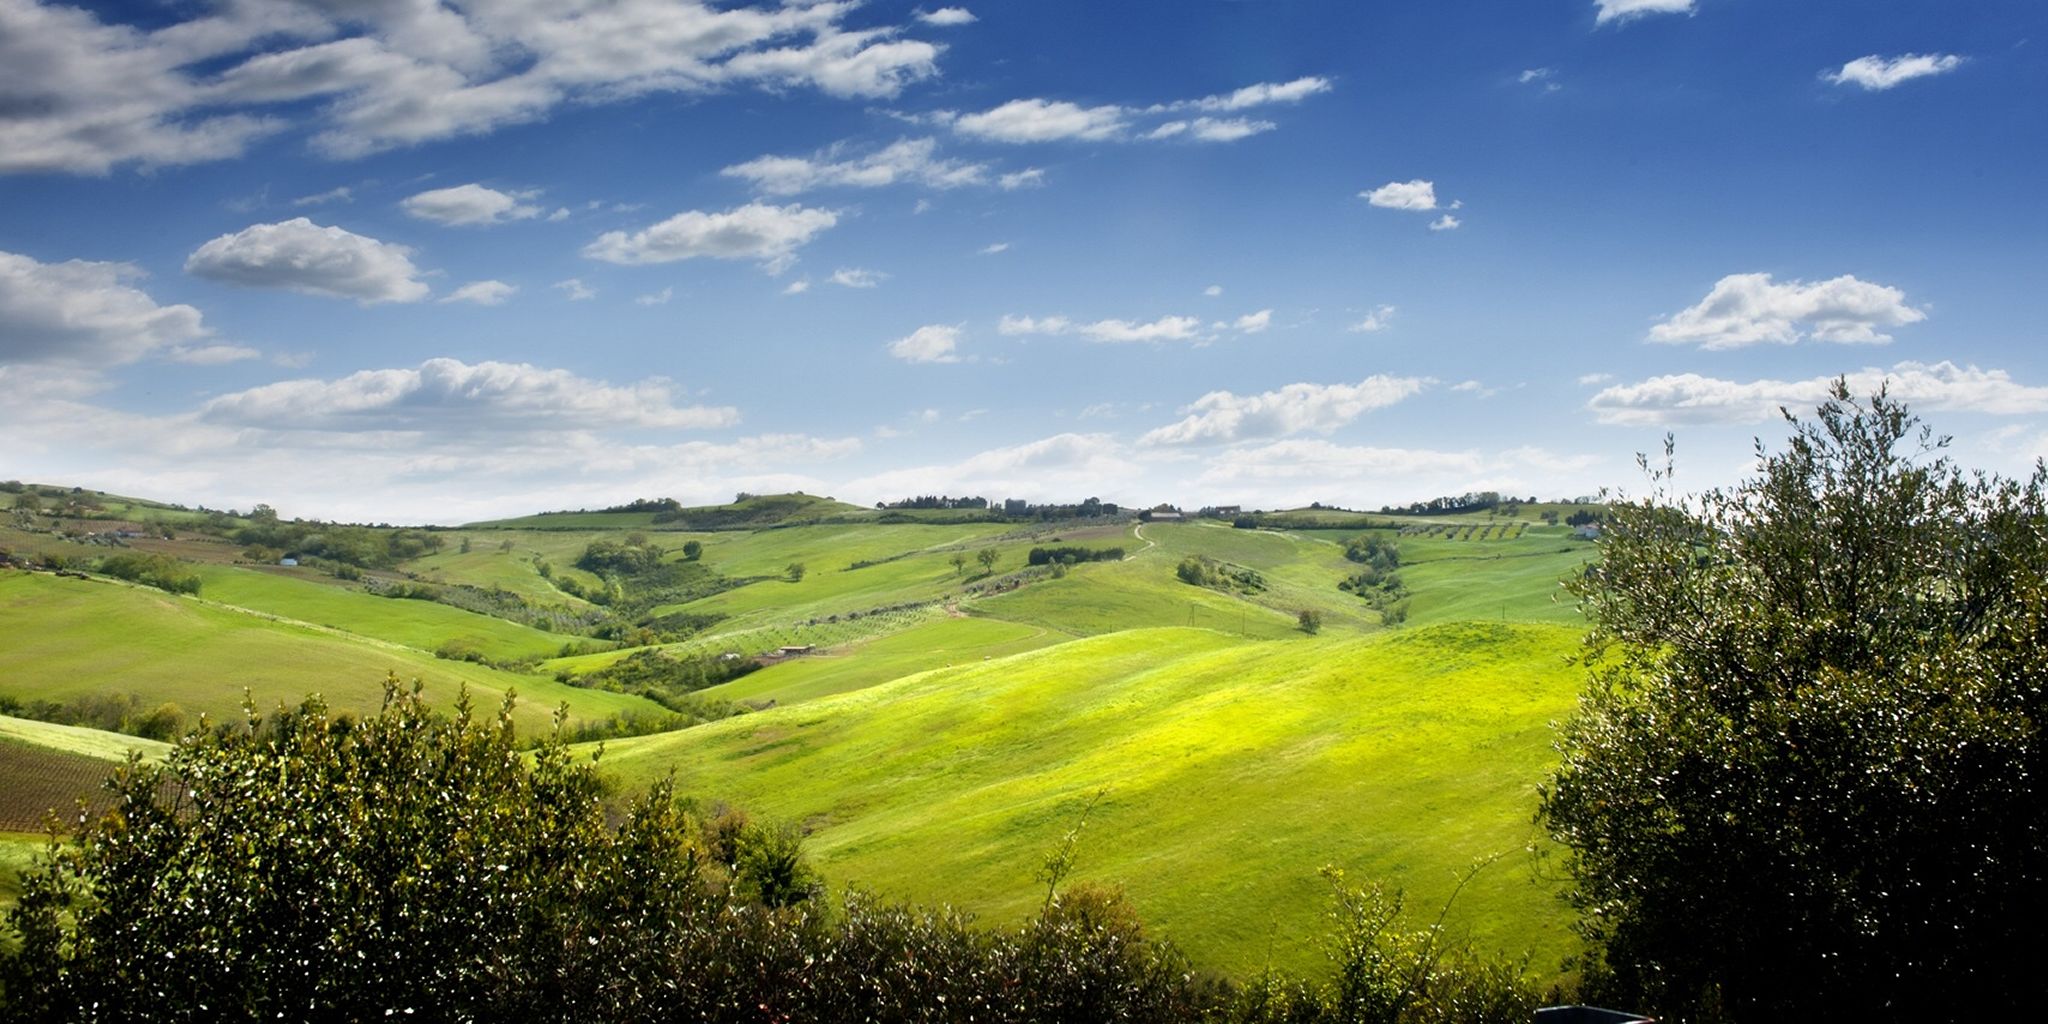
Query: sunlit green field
x,y
424,625
1230,771
69,638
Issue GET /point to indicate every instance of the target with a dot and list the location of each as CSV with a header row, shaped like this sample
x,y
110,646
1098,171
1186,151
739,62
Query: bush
x,y
404,865
160,571
1805,780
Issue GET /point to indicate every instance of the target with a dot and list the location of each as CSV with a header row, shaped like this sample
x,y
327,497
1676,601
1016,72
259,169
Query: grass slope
x,y
423,625
938,644
1232,771
70,638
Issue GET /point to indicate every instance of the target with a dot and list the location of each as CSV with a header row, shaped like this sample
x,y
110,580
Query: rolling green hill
x,y
1230,771
72,638
952,722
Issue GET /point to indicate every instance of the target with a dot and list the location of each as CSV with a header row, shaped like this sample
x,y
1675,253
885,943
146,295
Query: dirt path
x,y
1138,531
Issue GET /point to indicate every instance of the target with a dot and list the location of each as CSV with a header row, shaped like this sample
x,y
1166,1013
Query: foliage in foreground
x,y
1805,782
310,865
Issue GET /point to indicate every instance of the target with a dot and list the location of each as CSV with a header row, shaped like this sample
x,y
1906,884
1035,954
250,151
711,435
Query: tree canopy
x,y
1805,780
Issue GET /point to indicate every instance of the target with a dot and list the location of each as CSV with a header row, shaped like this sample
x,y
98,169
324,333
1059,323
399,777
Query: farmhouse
x,y
794,650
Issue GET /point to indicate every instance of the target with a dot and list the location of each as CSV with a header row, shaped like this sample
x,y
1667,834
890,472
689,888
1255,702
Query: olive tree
x,y
1806,776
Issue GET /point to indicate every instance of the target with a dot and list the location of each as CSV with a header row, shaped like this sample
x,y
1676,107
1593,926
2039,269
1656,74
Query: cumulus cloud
x,y
84,313
659,298
1544,78
1446,223
91,94
932,343
1223,417
482,293
302,256
449,396
1213,290
1689,398
906,161
574,289
471,205
1259,95
1378,320
1166,328
1748,309
1876,73
1037,120
1254,323
857,277
797,287
948,16
1212,129
1626,10
1416,195
1030,177
756,231
1043,120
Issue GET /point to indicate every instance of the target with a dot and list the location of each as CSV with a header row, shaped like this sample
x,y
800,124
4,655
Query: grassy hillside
x,y
423,625
1230,772
70,638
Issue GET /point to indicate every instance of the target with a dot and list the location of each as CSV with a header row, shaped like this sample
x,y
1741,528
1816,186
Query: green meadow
x,y
952,724
73,638
1228,773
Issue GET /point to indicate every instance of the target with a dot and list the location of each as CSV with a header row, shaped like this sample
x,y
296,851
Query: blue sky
x,y
414,261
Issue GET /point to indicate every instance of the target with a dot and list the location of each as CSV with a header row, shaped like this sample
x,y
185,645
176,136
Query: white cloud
x,y
756,231
1473,387
1030,177
1446,223
210,355
1254,323
1213,290
1691,398
483,293
1545,77
906,161
1166,328
574,289
84,313
304,257
339,194
797,287
1212,129
1012,326
89,95
948,16
1876,73
1036,120
1042,120
449,396
994,247
932,343
1222,417
1746,309
1589,379
1323,462
471,205
1378,320
659,298
1259,95
1625,10
857,277
1403,195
